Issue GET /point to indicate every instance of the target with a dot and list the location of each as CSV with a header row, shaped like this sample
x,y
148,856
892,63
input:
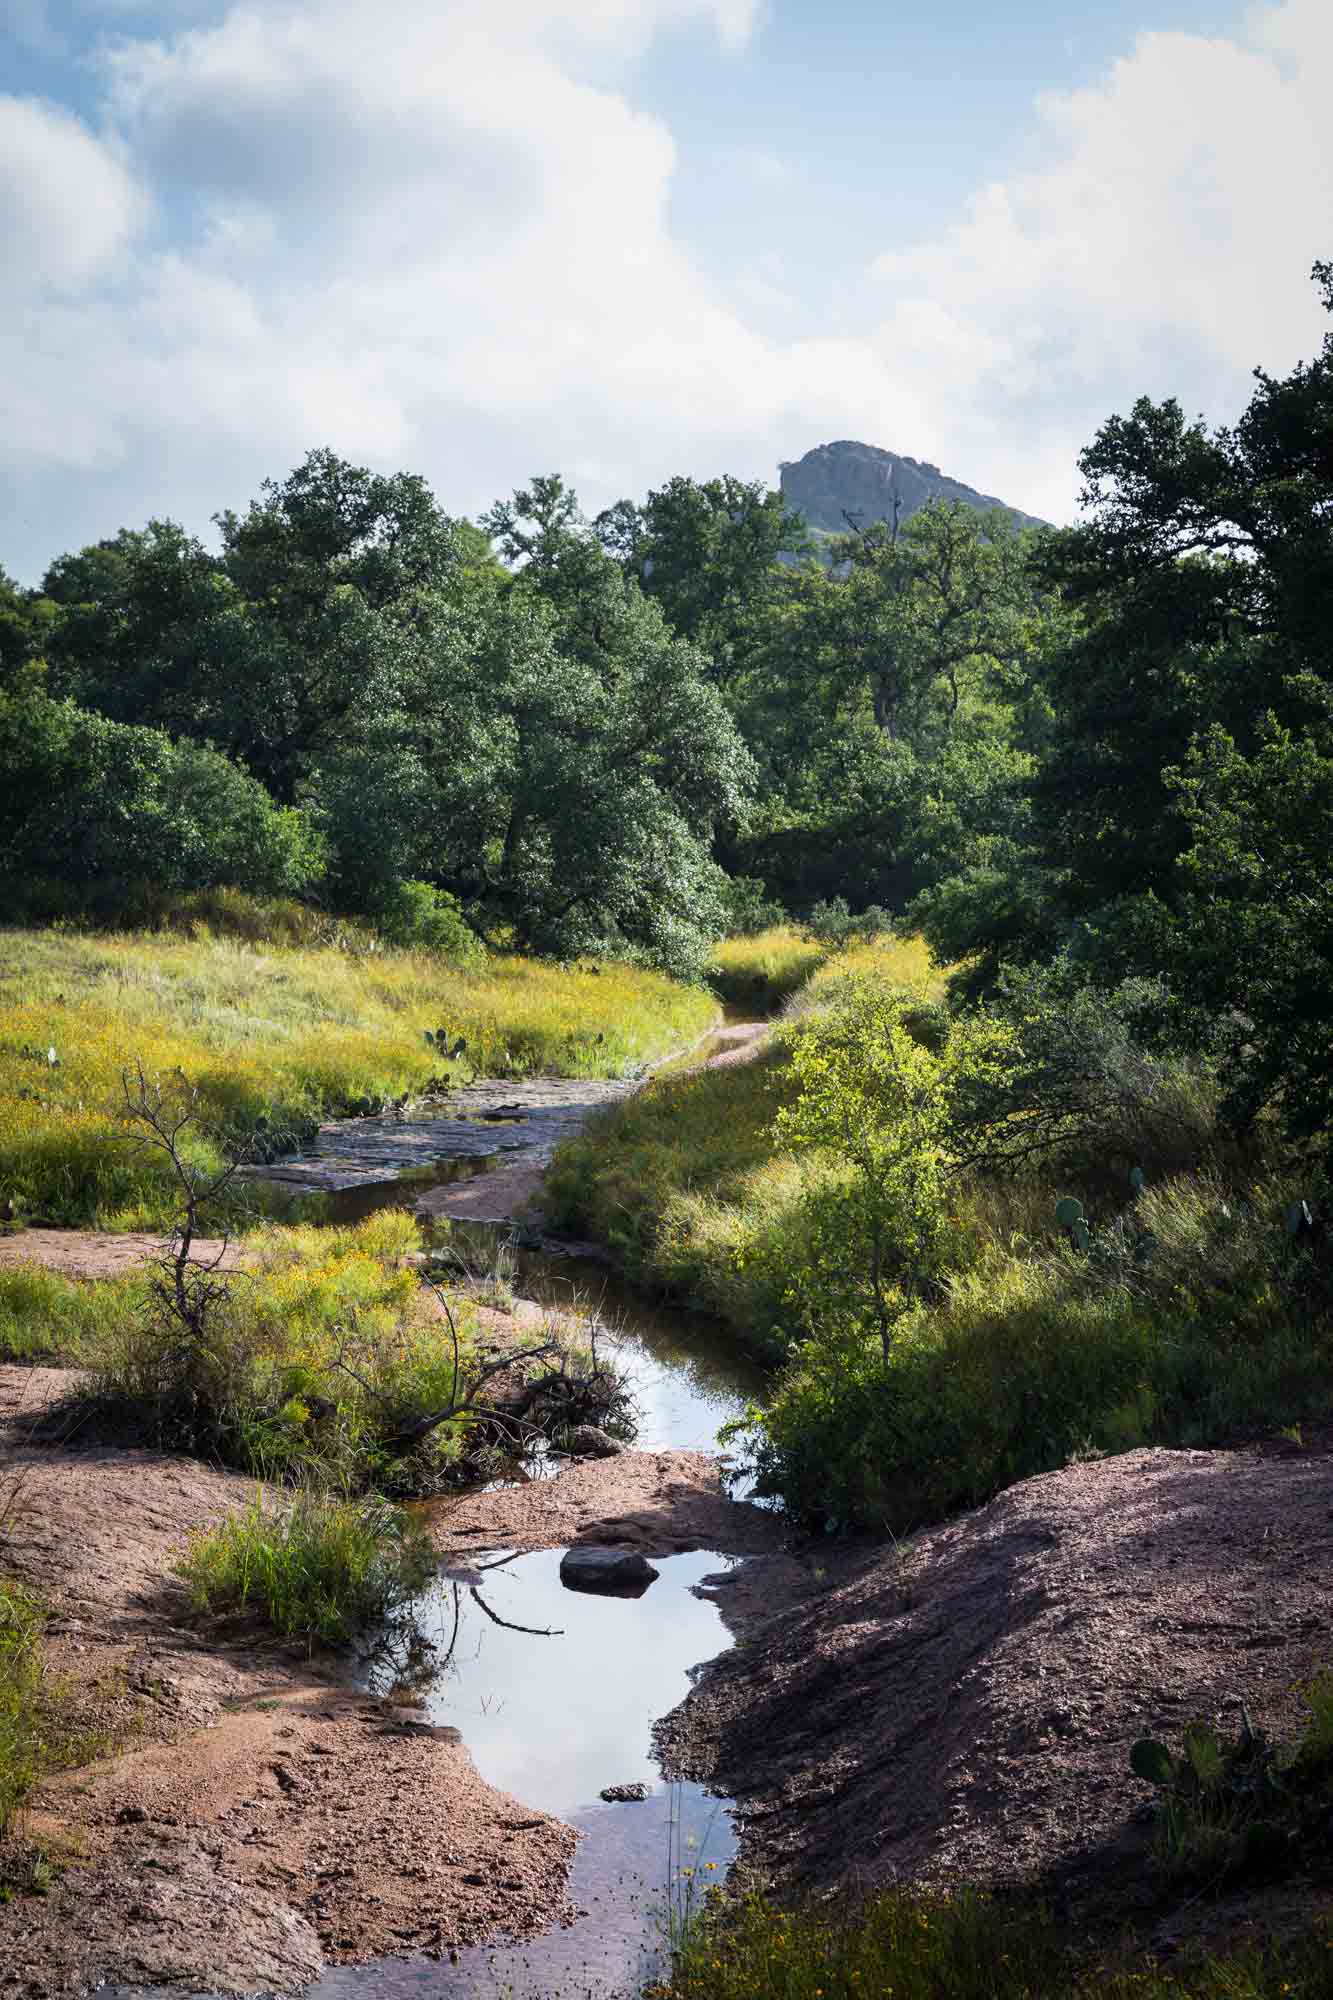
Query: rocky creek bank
x,y
266,1817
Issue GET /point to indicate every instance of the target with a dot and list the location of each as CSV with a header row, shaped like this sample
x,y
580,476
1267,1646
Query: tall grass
x,y
47,1317
914,1946
758,973
289,1035
903,964
319,1568
21,1729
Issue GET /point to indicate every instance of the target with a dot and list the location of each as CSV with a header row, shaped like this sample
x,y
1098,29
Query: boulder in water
x,y
608,1572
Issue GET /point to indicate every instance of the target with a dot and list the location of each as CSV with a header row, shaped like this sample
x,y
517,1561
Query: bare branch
x,y
533,1631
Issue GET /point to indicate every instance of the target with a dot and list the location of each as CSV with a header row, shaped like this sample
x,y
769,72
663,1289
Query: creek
x,y
557,1713
554,1720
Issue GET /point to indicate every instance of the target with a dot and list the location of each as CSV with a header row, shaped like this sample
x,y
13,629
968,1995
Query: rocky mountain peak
x,y
834,481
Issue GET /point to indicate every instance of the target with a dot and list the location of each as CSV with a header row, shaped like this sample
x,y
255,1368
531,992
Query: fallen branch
x,y
533,1631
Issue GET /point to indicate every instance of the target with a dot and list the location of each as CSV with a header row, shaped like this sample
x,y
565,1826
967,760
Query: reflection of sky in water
x,y
688,1373
554,1720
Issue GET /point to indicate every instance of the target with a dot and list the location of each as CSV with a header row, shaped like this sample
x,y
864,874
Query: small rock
x,y
587,1441
131,1816
623,1795
611,1572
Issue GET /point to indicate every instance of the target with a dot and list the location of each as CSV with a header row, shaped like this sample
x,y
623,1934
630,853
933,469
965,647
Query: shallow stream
x,y
555,1719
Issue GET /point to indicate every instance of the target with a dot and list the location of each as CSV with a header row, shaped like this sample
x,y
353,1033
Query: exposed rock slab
x,y
964,1710
477,1123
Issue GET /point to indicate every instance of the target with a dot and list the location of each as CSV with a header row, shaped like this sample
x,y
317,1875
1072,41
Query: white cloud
x,y
439,237
69,207
1164,247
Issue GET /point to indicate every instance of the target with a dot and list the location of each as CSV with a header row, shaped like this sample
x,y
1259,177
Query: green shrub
x,y
319,1569
416,916
749,907
880,1108
1037,1353
320,1352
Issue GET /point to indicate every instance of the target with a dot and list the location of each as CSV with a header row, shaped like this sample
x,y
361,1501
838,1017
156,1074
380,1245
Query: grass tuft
x,y
319,1569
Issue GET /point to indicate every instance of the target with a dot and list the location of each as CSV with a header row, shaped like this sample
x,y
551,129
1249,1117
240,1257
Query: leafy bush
x,y
319,1569
419,917
749,908
686,1182
89,800
1090,1083
881,1110
1037,1352
321,1352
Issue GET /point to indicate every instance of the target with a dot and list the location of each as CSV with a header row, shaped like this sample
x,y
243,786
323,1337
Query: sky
x,y
623,239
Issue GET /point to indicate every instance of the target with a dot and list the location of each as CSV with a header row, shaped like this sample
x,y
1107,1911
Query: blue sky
x,y
627,238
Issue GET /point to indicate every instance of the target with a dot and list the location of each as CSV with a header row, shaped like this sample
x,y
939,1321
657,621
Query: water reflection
x,y
688,1372
554,1719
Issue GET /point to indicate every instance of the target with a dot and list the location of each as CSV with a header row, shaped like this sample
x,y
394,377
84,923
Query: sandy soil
x,y
965,1709
83,1253
266,1817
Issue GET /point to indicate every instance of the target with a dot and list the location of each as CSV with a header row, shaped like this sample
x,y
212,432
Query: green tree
x,y
568,805
100,804
1202,581
880,1109
1249,942
710,552
25,620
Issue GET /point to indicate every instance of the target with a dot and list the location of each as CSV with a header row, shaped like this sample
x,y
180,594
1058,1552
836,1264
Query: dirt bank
x,y
85,1253
964,1710
266,1817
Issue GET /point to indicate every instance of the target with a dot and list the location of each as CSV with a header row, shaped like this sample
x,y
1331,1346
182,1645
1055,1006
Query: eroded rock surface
x,y
963,1709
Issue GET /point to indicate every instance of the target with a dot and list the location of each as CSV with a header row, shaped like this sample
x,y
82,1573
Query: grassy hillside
x,y
292,1035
